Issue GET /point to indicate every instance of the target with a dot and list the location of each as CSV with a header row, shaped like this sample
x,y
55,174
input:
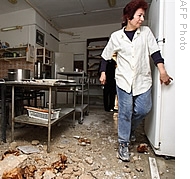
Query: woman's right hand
x,y
103,78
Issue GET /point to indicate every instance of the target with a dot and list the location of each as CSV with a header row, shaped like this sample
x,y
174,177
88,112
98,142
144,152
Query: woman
x,y
134,44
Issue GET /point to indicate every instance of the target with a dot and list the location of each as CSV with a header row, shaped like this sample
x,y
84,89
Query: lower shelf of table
x,y
43,122
78,108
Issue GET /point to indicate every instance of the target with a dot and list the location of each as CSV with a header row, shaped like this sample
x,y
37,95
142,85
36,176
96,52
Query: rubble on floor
x,y
87,151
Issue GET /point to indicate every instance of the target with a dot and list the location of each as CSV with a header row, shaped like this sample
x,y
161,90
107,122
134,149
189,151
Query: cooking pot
x,y
18,74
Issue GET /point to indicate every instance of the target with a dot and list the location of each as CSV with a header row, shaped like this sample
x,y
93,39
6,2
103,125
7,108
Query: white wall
x,y
30,21
81,34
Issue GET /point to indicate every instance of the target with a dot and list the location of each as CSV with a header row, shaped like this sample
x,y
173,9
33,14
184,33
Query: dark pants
x,y
109,93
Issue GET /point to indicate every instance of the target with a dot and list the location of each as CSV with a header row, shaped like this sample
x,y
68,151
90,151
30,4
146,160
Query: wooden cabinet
x,y
45,57
22,52
95,47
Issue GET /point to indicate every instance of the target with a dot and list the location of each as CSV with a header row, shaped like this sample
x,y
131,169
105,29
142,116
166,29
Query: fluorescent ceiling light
x,y
10,28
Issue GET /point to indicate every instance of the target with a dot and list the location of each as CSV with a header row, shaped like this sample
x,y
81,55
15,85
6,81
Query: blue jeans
x,y
131,112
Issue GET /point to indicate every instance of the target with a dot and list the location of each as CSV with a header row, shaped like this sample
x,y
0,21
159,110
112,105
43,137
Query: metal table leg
x,y
3,111
74,102
49,121
13,114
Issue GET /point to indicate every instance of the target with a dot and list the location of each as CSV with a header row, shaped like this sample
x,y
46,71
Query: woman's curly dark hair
x,y
130,9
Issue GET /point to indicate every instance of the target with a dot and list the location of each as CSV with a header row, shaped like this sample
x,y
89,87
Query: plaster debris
x,y
28,149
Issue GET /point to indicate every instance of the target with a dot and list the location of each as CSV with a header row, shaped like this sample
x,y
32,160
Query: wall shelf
x,y
16,53
94,49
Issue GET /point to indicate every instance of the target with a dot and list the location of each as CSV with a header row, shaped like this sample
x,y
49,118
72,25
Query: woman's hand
x,y
164,77
103,78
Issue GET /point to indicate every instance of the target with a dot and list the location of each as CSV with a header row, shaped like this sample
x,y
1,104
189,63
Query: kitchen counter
x,y
44,84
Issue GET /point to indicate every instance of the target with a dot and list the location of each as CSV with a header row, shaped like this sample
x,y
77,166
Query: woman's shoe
x,y
123,153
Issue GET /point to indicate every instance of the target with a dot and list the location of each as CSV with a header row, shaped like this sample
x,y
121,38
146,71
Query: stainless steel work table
x,y
42,85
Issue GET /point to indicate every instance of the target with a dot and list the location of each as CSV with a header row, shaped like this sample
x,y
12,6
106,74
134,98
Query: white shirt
x,y
133,70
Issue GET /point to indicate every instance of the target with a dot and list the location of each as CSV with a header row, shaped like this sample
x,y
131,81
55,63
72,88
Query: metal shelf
x,y
33,121
81,88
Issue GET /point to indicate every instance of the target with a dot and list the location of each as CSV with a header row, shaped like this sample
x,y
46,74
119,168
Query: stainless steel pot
x,y
18,74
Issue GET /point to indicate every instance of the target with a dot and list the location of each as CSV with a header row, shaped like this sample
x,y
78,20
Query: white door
x,y
152,123
160,124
